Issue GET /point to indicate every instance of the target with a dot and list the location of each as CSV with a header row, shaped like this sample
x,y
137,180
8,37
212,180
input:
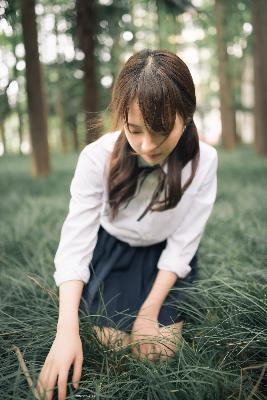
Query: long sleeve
x,y
183,243
79,231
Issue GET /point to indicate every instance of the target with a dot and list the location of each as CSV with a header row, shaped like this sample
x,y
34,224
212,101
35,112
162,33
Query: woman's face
x,y
145,143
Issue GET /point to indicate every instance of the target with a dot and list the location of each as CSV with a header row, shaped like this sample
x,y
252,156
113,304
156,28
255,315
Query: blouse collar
x,y
142,162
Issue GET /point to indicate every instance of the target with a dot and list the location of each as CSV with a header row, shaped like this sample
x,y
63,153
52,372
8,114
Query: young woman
x,y
141,196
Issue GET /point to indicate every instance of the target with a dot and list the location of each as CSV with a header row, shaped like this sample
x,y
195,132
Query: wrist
x,y
150,308
68,326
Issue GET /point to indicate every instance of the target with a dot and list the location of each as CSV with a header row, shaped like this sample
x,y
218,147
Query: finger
x,y
145,351
141,347
161,353
166,351
151,352
48,384
154,352
41,379
135,348
46,376
77,372
42,393
62,385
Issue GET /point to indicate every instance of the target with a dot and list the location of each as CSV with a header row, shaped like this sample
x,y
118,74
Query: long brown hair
x,y
163,86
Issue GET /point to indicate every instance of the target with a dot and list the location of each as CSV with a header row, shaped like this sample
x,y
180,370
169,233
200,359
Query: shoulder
x,y
208,153
104,144
93,158
208,157
208,163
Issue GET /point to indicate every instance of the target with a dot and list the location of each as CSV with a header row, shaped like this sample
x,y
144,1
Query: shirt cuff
x,y
180,269
70,275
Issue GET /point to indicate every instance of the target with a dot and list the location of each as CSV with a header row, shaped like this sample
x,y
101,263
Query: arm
x,y
183,243
79,231
66,348
77,242
146,323
69,299
163,283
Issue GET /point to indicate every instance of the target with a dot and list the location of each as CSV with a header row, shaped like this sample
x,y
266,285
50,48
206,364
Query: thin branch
x,y
24,368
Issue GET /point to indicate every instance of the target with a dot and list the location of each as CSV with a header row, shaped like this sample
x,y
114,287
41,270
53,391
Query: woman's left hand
x,y
144,337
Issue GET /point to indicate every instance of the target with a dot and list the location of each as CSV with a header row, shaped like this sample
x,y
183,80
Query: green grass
x,y
225,347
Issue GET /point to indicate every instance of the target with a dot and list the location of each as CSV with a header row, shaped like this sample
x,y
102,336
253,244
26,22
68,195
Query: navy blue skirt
x,y
121,277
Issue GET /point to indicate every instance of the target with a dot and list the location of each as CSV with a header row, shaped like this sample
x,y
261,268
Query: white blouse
x,y
182,226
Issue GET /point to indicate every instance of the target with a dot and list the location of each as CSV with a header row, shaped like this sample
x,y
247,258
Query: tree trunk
x,y
36,100
75,135
86,22
3,136
61,115
259,20
161,23
226,92
20,118
18,108
60,94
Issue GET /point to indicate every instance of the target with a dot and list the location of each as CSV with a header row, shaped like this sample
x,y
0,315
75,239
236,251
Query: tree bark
x,y
61,116
229,134
18,107
86,22
35,95
60,94
259,20
75,137
3,136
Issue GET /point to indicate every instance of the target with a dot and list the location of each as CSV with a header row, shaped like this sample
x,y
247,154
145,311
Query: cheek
x,y
133,142
173,142
169,145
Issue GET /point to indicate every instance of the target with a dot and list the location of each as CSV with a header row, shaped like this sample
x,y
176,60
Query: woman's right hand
x,y
65,351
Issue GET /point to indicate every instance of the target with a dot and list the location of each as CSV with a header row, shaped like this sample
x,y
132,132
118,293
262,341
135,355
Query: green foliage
x,y
225,337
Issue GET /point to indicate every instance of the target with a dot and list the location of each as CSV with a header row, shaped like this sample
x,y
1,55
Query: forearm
x,y
69,300
163,283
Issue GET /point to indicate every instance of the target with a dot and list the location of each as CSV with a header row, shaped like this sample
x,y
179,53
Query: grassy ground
x,y
224,354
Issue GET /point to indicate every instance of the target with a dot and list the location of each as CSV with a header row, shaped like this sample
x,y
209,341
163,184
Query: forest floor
x,y
224,352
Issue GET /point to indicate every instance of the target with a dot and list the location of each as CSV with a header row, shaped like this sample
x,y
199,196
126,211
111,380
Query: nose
x,y
148,144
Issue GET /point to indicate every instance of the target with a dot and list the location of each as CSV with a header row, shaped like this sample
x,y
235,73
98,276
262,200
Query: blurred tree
x,y
62,74
4,112
60,91
35,94
237,37
12,15
229,135
18,105
86,32
114,19
120,28
167,23
259,20
72,102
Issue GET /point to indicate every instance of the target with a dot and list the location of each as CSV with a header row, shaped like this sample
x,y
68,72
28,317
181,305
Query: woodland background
x,y
58,61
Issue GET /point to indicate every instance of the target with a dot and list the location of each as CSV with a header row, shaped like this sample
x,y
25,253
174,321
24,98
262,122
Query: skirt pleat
x,y
121,277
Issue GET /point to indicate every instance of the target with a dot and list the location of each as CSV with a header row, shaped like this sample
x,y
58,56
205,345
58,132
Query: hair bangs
x,y
156,100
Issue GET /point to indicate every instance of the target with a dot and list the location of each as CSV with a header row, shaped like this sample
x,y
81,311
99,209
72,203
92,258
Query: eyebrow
x,y
134,125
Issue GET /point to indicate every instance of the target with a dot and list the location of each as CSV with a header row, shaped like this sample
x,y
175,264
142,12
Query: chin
x,y
154,160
